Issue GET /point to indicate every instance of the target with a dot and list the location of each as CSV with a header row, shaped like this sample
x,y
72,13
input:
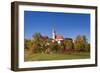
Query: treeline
x,y
44,44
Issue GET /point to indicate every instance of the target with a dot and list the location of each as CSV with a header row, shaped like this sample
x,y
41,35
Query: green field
x,y
43,57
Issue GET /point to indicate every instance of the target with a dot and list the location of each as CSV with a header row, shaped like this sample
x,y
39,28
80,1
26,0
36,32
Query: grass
x,y
42,57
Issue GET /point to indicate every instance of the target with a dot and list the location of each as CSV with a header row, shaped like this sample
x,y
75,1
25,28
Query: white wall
x,y
5,40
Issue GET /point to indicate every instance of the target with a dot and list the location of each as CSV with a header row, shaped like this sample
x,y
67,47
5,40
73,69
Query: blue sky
x,y
67,24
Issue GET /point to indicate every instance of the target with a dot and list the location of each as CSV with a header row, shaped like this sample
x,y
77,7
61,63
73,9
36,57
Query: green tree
x,y
87,47
36,36
54,47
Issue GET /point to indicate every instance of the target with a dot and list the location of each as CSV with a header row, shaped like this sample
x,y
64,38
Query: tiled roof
x,y
59,37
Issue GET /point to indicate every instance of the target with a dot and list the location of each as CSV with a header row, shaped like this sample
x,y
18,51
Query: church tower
x,y
53,34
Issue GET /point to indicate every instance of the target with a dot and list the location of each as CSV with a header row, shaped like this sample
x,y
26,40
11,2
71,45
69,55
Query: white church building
x,y
56,38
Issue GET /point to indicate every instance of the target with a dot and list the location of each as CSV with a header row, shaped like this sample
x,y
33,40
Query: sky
x,y
69,25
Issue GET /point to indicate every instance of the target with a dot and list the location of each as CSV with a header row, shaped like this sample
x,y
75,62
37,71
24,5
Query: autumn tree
x,y
40,42
61,47
80,43
36,42
44,43
68,44
27,47
27,44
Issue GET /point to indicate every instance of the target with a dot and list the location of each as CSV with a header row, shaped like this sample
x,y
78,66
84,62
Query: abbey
x,y
58,38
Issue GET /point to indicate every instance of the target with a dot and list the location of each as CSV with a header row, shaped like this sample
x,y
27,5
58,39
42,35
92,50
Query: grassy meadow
x,y
43,56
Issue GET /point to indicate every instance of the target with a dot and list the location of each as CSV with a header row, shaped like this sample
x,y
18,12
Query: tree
x,y
54,47
68,44
40,41
36,43
87,47
80,43
37,36
27,47
84,39
27,44
35,48
61,47
45,43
